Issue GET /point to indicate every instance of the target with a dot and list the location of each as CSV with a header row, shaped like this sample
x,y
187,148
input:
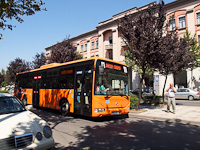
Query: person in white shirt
x,y
171,98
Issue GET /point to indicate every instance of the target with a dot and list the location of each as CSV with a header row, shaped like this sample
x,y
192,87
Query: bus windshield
x,y
111,79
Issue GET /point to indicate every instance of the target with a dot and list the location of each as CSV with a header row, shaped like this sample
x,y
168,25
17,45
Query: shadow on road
x,y
126,134
138,135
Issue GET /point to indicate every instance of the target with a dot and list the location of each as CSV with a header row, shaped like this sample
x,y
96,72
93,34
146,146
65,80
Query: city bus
x,y
93,87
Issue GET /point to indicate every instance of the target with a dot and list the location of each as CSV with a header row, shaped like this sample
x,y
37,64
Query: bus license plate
x,y
115,113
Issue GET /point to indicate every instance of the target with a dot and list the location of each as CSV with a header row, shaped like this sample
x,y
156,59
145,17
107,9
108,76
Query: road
x,y
120,133
188,103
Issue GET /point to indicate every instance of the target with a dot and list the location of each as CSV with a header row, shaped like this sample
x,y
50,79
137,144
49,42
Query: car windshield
x,y
111,79
10,105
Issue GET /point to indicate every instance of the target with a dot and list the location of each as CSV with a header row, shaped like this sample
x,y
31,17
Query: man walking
x,y
171,98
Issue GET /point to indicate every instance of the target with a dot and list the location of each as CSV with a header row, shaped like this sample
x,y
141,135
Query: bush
x,y
152,99
134,100
3,91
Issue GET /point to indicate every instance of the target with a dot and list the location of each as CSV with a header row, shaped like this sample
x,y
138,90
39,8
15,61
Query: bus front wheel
x,y
64,107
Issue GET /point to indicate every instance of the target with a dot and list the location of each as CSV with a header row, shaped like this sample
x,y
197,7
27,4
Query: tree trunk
x,y
191,78
140,92
163,97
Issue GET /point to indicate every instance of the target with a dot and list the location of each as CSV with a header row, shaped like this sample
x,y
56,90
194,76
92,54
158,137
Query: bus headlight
x,y
128,108
99,110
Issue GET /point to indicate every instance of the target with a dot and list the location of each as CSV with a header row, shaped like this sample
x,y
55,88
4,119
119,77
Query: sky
x,y
63,18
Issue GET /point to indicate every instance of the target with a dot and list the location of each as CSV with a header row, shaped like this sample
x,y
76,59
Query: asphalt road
x,y
188,103
119,133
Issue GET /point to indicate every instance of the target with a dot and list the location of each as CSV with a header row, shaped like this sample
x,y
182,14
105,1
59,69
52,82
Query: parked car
x,y
145,91
22,129
186,93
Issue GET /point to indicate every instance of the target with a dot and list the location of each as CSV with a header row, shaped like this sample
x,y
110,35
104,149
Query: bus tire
x,y
24,101
64,107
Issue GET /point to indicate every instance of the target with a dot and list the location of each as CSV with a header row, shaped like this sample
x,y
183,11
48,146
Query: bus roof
x,y
52,65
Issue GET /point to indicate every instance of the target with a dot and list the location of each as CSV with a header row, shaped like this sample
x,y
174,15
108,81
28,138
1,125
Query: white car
x,y
186,93
22,129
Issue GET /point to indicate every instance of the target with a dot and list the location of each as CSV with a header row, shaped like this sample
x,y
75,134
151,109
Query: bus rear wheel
x,y
64,107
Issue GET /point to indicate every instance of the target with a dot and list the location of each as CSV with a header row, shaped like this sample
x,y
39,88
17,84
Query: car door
x,y
185,94
178,94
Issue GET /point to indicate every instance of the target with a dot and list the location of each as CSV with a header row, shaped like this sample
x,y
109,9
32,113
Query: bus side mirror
x,y
101,70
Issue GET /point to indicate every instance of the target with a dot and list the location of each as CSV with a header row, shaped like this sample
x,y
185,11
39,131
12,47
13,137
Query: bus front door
x,y
83,92
36,90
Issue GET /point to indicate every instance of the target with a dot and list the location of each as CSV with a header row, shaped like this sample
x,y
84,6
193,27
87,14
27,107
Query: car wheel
x,y
64,107
24,101
190,98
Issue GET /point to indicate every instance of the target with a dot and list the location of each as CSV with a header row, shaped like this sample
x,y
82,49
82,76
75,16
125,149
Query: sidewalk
x,y
185,114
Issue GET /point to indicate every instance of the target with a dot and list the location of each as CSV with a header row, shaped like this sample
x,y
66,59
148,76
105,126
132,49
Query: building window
x,y
92,44
198,18
97,44
81,48
110,40
172,25
85,47
110,55
182,22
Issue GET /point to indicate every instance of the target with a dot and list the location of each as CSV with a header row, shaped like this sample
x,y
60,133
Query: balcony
x,y
123,44
109,46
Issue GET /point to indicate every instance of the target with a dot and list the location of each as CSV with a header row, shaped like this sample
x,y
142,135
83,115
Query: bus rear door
x,y
36,88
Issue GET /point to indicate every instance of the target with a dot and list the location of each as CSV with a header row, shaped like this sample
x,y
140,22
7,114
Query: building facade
x,y
105,42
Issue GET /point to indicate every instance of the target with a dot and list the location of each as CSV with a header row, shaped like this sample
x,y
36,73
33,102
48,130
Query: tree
x,y
142,32
193,49
63,52
15,9
173,56
3,78
17,66
38,60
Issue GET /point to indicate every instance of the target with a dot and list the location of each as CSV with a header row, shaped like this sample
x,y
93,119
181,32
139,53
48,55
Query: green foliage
x,y
15,9
4,83
193,49
152,99
3,91
3,78
134,100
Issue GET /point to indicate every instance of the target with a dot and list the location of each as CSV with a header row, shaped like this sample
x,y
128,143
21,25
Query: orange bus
x,y
93,87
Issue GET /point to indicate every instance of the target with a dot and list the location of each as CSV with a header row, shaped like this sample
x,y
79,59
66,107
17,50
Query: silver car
x,y
186,93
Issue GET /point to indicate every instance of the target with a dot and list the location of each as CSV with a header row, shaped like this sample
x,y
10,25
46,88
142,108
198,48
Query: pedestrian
x,y
171,98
